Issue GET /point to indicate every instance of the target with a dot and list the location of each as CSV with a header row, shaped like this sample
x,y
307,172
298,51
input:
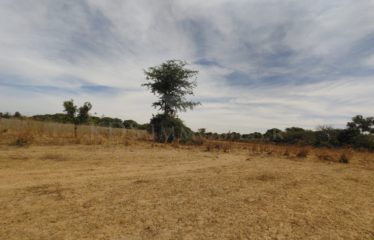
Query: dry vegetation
x,y
126,187
26,132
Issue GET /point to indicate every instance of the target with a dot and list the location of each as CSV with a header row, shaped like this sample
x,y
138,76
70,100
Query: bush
x,y
130,124
344,158
274,135
364,141
287,153
303,153
167,129
299,136
23,140
348,136
325,157
327,137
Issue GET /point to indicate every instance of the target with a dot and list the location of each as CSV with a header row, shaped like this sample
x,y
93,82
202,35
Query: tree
x,y
274,134
130,124
5,115
201,131
171,83
364,125
77,115
17,115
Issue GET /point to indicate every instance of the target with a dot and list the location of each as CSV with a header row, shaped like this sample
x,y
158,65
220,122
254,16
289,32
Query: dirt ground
x,y
152,192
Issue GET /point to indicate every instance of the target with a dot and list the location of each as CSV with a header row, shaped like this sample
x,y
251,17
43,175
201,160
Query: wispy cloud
x,y
262,63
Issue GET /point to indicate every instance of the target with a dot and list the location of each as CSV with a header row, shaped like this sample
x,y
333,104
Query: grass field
x,y
142,190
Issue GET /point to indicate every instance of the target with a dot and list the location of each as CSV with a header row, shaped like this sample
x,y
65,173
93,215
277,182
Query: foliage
x,y
130,124
5,115
326,136
364,141
348,136
58,117
274,134
17,115
358,134
299,136
109,122
83,116
364,125
167,129
71,111
171,82
76,115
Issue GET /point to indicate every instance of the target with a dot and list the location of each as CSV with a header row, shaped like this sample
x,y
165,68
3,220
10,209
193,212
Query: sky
x,y
261,63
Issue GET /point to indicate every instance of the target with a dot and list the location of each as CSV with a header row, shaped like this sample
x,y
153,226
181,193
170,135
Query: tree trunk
x,y
75,130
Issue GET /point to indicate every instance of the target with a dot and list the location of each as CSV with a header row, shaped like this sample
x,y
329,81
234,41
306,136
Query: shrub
x,y
23,140
198,141
303,153
226,147
364,141
344,158
300,136
168,129
286,153
324,156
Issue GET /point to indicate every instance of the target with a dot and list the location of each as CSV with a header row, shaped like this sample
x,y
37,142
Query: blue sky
x,y
262,63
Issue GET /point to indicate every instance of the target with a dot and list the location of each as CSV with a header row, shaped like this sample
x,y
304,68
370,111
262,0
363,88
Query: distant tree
x,y
327,136
130,124
71,111
5,115
256,135
252,136
201,131
364,125
110,122
234,136
77,115
209,135
171,83
296,135
57,117
274,135
145,126
17,115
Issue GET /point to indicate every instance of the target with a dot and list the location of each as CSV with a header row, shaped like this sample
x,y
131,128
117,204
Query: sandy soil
x,y
152,192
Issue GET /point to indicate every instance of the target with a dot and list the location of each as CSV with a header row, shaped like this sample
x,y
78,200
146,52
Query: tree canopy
x,y
171,82
76,115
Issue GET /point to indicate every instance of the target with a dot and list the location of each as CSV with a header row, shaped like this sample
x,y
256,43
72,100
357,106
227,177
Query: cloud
x,y
262,64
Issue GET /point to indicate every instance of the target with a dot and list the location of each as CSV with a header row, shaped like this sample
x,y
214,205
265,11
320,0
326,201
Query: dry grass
x,y
26,132
53,157
142,190
303,153
153,191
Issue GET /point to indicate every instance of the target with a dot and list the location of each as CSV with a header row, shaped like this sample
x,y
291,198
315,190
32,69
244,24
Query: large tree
x,y
171,82
76,115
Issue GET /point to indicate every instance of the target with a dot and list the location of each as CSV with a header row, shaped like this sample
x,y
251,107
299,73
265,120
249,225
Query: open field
x,y
149,191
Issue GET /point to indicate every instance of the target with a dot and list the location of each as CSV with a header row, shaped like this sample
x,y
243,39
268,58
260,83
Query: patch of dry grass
x,y
53,157
26,132
153,191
